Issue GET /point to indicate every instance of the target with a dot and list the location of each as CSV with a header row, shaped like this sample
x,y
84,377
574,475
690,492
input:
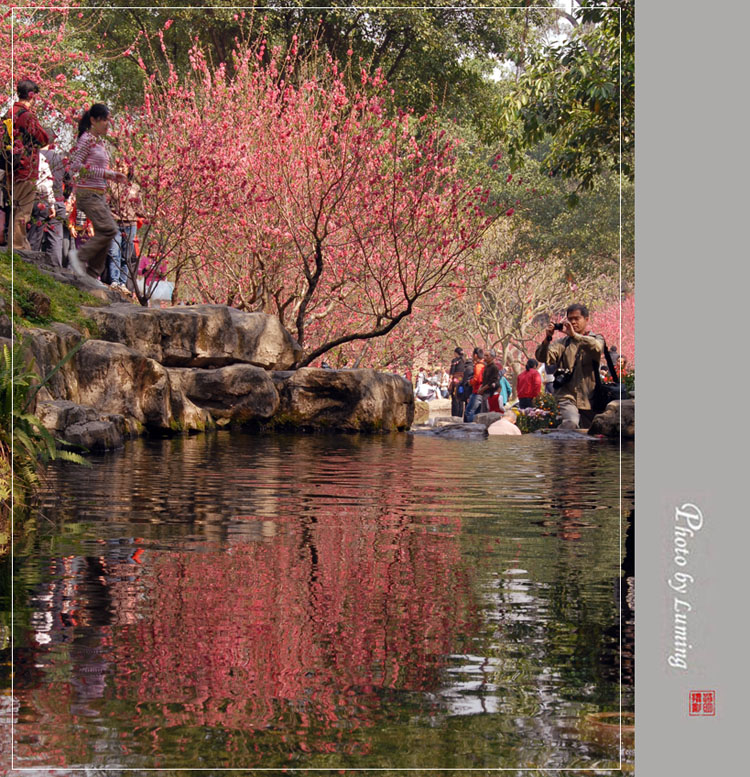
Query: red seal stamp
x,y
702,703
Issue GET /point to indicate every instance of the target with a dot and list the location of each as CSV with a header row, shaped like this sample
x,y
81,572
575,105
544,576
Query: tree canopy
x,y
535,103
440,55
579,95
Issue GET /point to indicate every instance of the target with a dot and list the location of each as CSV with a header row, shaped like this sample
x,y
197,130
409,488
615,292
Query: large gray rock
x,y
444,420
48,348
84,427
563,434
239,393
347,400
113,379
487,419
608,422
111,376
116,379
460,431
198,335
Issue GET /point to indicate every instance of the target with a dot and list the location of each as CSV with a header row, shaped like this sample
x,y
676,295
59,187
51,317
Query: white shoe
x,y
75,263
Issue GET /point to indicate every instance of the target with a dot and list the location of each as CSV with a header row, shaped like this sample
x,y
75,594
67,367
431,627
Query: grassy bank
x,y
28,283
33,299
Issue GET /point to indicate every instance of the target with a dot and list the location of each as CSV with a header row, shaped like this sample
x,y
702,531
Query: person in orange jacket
x,y
475,400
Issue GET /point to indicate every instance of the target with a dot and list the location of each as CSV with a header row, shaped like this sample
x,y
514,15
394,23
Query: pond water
x,y
247,601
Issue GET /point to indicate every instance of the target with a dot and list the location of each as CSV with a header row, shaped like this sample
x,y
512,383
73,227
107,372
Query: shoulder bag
x,y
604,393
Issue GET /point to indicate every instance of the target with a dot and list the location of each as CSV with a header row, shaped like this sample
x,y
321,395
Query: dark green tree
x,y
579,97
440,55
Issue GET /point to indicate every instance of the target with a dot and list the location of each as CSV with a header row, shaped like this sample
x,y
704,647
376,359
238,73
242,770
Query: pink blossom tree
x,y
37,34
507,303
616,322
311,197
177,158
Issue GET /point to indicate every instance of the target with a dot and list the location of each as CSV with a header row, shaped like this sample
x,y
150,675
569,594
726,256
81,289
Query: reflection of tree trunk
x,y
627,602
623,631
308,544
628,563
96,592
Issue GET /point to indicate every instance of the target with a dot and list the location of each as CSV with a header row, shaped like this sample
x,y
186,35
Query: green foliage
x,y
586,236
25,444
437,55
545,401
65,300
628,380
543,414
533,263
580,95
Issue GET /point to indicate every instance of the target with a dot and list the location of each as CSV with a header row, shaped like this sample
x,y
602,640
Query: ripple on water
x,y
258,601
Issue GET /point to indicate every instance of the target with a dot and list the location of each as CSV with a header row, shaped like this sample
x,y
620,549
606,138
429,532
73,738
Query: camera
x,y
558,327
562,376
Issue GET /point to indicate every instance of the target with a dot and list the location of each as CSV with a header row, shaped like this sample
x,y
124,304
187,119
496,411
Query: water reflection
x,y
245,601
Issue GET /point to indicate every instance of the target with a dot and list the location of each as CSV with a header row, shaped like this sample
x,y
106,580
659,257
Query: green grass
x,y
65,300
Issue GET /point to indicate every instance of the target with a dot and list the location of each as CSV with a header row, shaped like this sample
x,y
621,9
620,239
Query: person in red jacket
x,y
529,384
28,137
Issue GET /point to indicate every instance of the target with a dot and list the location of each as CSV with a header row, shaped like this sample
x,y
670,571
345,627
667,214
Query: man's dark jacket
x,y
491,379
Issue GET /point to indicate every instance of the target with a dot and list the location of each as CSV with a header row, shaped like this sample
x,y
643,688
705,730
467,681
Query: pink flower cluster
x,y
301,197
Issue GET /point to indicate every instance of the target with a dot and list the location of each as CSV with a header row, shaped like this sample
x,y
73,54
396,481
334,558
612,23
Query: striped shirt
x,y
91,158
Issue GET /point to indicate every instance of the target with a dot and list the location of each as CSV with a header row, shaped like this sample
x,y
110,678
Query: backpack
x,y
11,150
464,389
456,374
604,393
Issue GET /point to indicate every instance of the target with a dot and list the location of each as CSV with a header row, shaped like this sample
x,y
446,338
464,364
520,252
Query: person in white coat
x,y
46,231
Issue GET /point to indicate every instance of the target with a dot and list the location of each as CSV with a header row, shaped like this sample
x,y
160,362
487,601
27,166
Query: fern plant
x,y
25,444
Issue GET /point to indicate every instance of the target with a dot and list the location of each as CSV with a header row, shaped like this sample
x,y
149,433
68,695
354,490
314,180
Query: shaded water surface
x,y
230,600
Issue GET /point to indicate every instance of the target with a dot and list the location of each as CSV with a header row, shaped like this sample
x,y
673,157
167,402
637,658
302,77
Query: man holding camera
x,y
575,358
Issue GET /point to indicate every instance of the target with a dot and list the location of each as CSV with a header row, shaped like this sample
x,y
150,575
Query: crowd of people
x,y
565,367
84,212
81,210
477,384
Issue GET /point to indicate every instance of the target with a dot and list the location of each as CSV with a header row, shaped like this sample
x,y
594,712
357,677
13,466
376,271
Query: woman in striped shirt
x,y
90,160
